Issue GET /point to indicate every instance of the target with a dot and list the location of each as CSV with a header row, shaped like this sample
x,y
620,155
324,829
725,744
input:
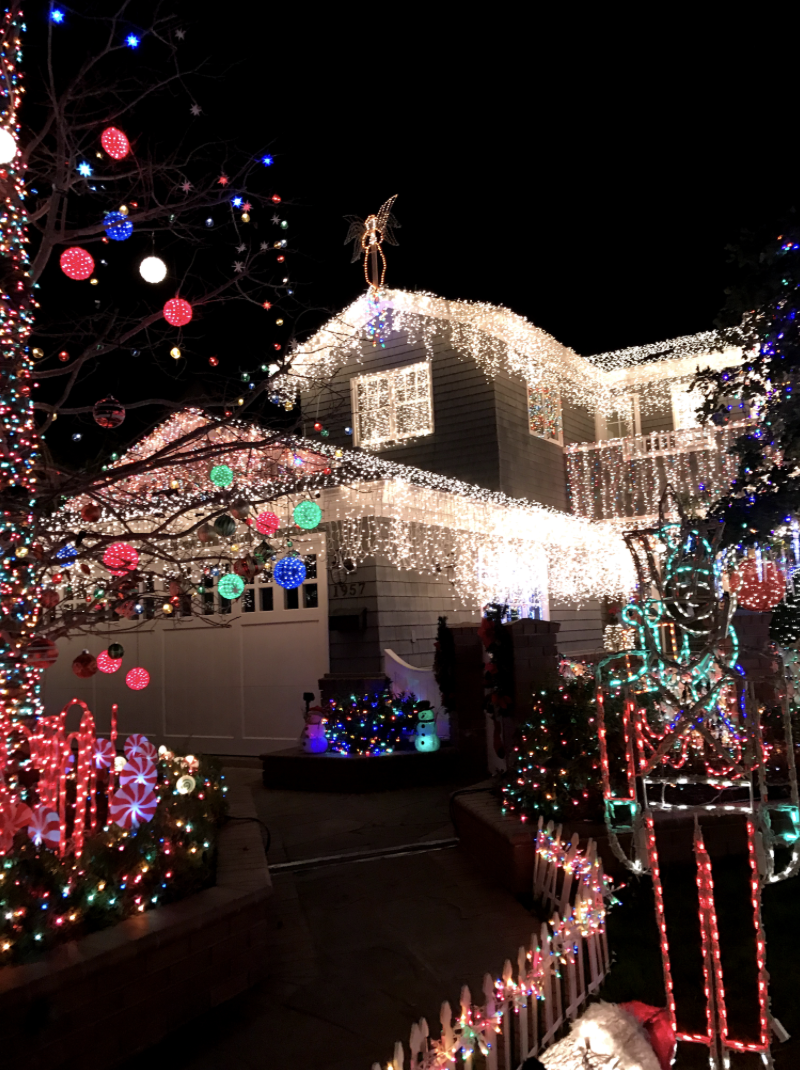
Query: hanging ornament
x,y
115,143
225,525
66,554
107,664
50,599
758,588
117,226
307,515
41,652
267,523
185,785
76,263
153,269
120,558
91,512
137,679
108,412
84,665
289,572
213,361
116,651
8,146
63,356
175,353
230,586
221,475
177,312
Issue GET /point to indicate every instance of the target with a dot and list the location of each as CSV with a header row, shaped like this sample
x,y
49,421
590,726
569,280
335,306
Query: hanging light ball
x,y
76,263
137,679
758,589
66,554
307,515
177,312
230,586
120,558
108,412
245,217
267,523
116,651
115,143
117,226
175,353
63,356
153,269
8,146
317,426
84,665
41,652
221,475
107,664
289,572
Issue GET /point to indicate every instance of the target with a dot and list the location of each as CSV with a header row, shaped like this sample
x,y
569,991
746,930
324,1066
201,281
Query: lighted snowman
x,y
425,738
313,735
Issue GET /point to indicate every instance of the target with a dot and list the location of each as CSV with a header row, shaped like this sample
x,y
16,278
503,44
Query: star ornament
x,y
223,180
246,206
241,248
180,34
186,187
195,109
238,266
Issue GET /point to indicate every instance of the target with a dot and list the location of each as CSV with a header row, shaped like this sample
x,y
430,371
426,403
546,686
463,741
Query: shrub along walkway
x,y
360,948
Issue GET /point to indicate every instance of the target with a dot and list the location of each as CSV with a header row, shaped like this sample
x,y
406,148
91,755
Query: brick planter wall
x,y
93,1002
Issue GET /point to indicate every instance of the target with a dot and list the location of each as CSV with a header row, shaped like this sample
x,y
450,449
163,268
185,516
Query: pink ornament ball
x,y
267,523
137,679
107,664
115,143
120,558
76,263
177,312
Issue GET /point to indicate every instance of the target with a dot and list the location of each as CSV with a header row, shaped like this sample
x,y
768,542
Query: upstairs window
x,y
544,412
393,406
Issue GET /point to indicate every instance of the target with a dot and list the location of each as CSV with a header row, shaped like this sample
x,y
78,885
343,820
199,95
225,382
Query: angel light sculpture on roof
x,y
368,236
698,751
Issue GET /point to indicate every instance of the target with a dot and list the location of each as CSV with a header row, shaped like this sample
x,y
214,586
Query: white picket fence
x,y
566,962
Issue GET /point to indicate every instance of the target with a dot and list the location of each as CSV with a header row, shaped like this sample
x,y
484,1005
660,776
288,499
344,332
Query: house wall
x,y
581,629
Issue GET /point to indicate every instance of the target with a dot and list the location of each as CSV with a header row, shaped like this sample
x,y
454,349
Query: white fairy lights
x,y
498,339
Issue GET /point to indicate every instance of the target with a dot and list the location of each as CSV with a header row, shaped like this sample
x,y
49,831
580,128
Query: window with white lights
x,y
685,403
392,406
544,412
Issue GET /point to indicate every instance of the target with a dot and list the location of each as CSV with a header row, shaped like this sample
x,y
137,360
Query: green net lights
x,y
221,475
230,586
307,515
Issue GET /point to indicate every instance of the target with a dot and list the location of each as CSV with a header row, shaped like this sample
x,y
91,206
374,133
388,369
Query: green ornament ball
x,y
230,586
225,525
116,651
307,515
221,475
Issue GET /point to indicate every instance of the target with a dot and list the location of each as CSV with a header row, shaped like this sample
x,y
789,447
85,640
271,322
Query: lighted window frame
x,y
390,407
544,412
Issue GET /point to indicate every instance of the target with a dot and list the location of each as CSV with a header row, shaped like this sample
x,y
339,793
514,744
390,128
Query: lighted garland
x,y
45,900
371,725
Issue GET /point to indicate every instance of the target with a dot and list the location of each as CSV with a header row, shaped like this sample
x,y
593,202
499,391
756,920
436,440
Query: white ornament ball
x,y
8,147
153,269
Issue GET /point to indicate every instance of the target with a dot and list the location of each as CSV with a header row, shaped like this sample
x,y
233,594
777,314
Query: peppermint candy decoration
x,y
44,828
139,746
139,771
104,754
132,805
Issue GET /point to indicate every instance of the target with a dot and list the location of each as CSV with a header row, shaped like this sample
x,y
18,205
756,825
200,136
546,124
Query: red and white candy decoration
x,y
44,828
139,746
139,771
104,753
131,806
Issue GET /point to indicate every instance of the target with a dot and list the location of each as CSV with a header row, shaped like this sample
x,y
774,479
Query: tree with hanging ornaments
x,y
132,236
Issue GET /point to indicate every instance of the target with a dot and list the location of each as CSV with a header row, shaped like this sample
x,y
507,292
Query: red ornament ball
x,y
107,664
177,312
276,199
91,512
63,355
213,361
76,263
115,143
137,679
267,523
758,591
108,412
42,652
50,598
84,665
120,558
317,426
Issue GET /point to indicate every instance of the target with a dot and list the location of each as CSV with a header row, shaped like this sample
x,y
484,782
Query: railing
x,y
626,477
566,962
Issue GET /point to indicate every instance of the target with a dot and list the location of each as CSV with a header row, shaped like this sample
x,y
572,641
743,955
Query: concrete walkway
x,y
360,949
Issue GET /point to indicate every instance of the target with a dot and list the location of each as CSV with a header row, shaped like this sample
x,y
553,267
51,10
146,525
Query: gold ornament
x,y
175,353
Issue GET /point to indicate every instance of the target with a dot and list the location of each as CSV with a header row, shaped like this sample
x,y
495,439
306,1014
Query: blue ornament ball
x,y
118,227
289,572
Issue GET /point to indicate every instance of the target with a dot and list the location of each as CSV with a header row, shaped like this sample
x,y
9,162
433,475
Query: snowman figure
x,y
313,736
425,738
